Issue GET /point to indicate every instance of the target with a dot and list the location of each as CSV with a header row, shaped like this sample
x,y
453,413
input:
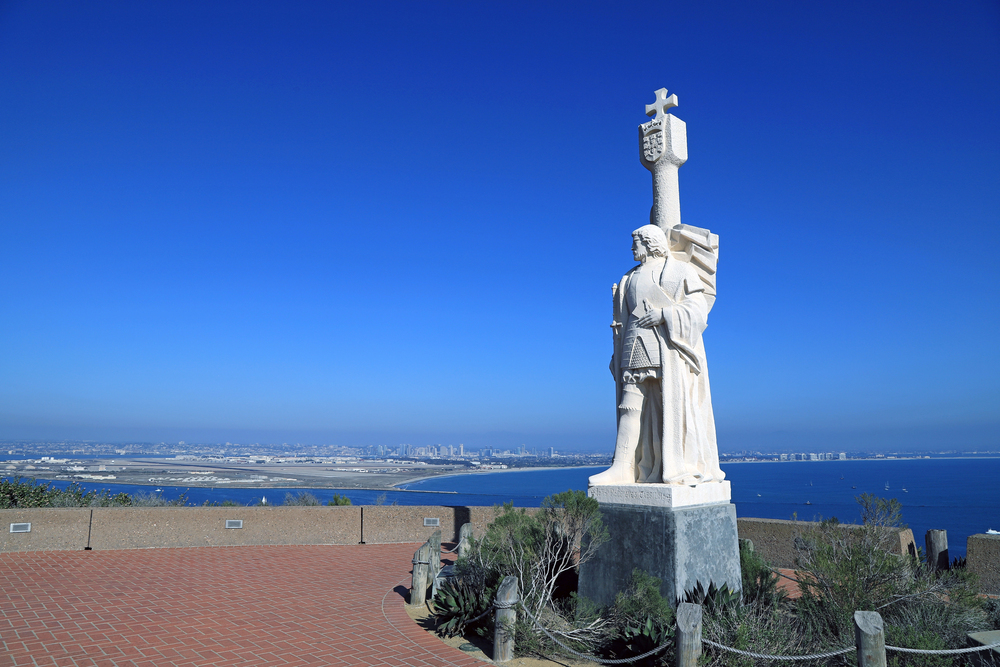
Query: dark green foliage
x,y
339,500
141,499
923,638
846,569
646,636
543,550
641,621
643,599
20,493
849,569
991,607
456,605
760,583
224,503
302,498
714,599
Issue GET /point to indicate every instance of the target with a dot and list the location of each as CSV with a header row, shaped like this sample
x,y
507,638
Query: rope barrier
x,y
488,610
750,654
943,651
722,647
766,656
585,656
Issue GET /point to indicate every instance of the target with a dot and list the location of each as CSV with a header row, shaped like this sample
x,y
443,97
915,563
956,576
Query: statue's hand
x,y
653,317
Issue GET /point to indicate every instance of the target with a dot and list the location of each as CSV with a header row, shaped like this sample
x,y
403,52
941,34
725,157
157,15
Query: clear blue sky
x,y
374,223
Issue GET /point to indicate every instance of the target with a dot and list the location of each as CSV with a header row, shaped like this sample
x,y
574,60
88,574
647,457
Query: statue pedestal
x,y
681,535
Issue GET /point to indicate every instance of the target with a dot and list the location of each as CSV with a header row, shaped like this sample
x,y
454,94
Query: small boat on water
x,y
808,503
854,487
887,486
905,491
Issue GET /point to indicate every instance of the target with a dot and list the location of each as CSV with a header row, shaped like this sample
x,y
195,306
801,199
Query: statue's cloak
x,y
687,439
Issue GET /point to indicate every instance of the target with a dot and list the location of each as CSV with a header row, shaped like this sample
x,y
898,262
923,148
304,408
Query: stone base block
x,y
662,495
681,547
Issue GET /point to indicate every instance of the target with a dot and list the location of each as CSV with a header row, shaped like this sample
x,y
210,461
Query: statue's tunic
x,y
662,371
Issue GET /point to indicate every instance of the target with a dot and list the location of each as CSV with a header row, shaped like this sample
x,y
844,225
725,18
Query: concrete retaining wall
x,y
390,524
982,556
139,528
774,539
51,529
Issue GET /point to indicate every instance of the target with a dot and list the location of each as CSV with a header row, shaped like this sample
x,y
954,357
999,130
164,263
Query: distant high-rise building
x,y
784,457
461,449
552,452
843,456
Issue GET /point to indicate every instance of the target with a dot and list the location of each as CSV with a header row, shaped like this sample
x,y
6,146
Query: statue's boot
x,y
687,479
622,470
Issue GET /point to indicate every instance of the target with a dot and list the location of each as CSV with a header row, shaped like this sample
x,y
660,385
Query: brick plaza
x,y
256,605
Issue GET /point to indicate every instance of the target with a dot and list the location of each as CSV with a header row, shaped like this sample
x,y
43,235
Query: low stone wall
x,y
141,528
51,529
774,539
982,556
391,524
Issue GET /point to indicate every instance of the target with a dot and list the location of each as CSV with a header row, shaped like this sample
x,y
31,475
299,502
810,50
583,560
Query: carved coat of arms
x,y
652,146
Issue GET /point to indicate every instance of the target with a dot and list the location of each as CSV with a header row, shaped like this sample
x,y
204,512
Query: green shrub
x,y
339,500
543,550
853,569
714,599
19,493
992,609
641,620
850,569
457,605
303,498
921,638
759,581
142,499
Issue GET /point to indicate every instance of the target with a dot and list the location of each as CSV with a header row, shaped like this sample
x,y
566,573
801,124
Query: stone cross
x,y
662,103
662,150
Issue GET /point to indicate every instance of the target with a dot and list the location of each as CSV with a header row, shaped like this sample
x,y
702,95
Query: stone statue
x,y
665,501
666,428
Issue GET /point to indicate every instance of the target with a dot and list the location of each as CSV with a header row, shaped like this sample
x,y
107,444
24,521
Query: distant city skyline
x,y
379,224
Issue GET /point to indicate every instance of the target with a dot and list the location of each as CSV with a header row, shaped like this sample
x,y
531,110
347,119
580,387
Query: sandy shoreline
x,y
481,472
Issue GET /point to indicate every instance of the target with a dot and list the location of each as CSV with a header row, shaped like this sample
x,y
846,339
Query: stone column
x,y
662,150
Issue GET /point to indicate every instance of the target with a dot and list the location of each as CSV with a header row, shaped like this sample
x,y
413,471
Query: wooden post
x,y
435,541
937,549
869,636
506,616
421,565
464,539
688,635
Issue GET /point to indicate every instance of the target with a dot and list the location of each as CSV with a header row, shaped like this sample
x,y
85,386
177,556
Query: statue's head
x,y
649,241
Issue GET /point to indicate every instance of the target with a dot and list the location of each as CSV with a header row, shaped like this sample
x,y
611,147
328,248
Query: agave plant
x,y
456,606
647,635
715,598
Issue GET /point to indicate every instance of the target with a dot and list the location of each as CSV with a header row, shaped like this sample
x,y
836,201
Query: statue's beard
x,y
641,255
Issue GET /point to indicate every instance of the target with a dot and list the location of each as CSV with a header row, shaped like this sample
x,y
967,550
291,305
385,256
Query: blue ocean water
x,y
958,495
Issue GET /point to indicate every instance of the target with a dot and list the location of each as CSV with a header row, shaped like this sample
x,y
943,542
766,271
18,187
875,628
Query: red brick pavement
x,y
269,605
